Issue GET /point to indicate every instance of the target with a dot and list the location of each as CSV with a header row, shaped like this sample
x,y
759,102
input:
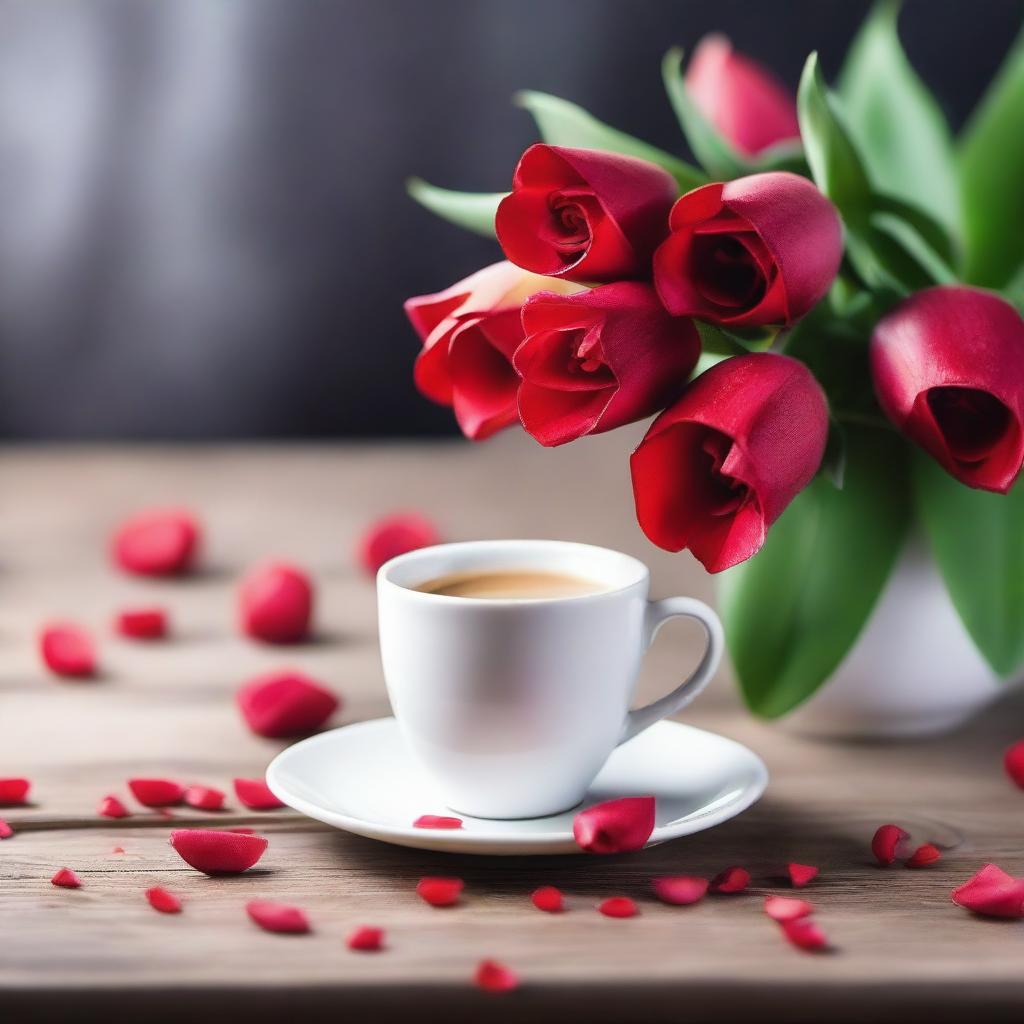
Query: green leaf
x,y
471,210
833,462
991,173
977,540
562,123
907,237
896,122
923,223
730,342
794,610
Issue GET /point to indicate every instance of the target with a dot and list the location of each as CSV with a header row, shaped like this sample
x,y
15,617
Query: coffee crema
x,y
505,584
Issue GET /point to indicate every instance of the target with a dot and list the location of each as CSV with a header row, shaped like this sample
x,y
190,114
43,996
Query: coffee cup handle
x,y
657,614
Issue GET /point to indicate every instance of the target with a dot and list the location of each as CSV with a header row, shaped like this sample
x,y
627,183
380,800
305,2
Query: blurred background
x,y
204,232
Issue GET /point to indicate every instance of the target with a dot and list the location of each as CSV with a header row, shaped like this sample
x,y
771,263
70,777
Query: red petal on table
x,y
156,792
439,892
142,623
162,900
205,798
616,826
366,939
731,880
14,791
804,934
392,536
117,849
111,807
680,890
492,976
436,821
991,892
66,879
67,650
278,917
157,542
618,906
5,830
1013,762
786,908
283,704
217,853
801,874
275,603
255,794
887,842
923,856
549,899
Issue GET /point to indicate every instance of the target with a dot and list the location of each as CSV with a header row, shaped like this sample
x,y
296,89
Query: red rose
x,y
743,100
598,359
583,214
718,468
469,333
948,365
758,250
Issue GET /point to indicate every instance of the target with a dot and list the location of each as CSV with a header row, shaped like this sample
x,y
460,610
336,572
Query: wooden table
x,y
901,947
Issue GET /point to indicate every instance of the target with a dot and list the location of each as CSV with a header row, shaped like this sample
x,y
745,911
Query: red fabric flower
x,y
68,650
718,467
598,359
992,892
14,791
256,795
278,917
157,542
142,623
584,214
275,603
615,826
758,250
217,853
395,535
948,365
743,100
470,332
283,704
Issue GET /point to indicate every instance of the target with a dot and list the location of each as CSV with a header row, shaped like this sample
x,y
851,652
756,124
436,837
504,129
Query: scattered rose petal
x,y
680,890
117,849
142,623
549,899
275,603
283,704
162,900
366,939
615,826
492,976
205,798
618,906
156,542
801,874
392,536
786,908
66,879
804,933
278,917
14,791
5,830
111,807
924,855
887,843
1013,762
436,821
730,880
255,794
217,853
67,650
156,792
439,892
991,892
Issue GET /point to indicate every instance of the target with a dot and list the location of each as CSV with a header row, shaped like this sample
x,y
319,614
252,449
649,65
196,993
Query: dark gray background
x,y
203,227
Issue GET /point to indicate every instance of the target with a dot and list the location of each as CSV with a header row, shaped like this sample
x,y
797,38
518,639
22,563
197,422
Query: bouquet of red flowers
x,y
824,315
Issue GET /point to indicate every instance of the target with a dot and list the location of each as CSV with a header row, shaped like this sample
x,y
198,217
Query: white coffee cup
x,y
513,705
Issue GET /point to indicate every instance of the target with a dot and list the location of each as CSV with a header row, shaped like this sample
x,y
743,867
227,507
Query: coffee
x,y
503,584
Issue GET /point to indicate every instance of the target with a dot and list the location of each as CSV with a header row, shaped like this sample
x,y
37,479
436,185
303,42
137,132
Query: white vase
x,y
913,671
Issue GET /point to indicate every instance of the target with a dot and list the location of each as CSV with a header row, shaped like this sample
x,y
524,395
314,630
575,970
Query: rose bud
x,y
718,467
948,366
275,603
584,215
598,359
469,333
743,100
758,250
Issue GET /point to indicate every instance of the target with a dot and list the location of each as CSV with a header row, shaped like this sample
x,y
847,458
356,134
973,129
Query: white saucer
x,y
361,778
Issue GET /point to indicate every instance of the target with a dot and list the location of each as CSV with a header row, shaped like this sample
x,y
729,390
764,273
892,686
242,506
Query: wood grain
x,y
900,946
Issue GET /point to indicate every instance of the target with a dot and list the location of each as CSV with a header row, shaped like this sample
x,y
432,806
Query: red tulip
x,y
743,100
598,359
758,250
583,214
948,365
469,333
717,468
